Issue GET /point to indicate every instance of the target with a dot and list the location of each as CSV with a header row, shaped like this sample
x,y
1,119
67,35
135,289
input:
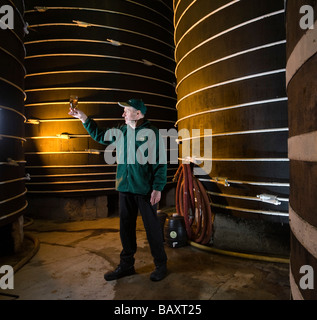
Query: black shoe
x,y
159,273
120,272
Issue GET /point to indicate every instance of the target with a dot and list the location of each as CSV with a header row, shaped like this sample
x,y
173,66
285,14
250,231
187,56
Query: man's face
x,y
130,114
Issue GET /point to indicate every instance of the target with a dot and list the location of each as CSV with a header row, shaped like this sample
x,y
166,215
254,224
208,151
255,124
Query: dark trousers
x,y
129,204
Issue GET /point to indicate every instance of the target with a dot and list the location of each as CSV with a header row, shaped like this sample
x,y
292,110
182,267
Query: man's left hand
x,y
155,197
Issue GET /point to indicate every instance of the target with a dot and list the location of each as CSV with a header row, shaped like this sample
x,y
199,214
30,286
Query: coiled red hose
x,y
192,203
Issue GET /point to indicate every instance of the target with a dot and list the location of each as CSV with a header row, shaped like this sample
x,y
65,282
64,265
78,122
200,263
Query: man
x,y
140,179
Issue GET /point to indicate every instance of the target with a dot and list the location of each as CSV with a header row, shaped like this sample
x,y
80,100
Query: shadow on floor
x,y
73,257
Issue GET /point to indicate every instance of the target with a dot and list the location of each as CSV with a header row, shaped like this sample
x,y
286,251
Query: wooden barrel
x,y
301,80
103,52
12,174
230,69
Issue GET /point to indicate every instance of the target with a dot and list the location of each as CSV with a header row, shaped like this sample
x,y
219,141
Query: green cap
x,y
137,104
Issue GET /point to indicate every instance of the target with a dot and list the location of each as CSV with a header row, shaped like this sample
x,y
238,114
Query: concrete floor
x,y
73,257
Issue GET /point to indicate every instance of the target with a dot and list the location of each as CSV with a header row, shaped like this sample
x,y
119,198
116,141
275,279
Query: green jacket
x,y
140,155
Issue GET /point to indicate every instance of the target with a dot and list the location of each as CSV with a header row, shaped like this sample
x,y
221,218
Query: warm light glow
x,y
32,121
82,23
93,151
146,62
40,9
114,42
64,136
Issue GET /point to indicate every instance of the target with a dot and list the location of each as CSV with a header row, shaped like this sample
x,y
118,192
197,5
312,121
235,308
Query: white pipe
x,y
98,88
200,21
11,137
69,191
242,105
44,9
255,183
227,58
92,56
13,85
271,213
98,41
239,159
252,76
257,198
68,182
227,31
236,133
15,58
13,110
15,197
77,23
149,8
72,166
27,177
96,71
14,213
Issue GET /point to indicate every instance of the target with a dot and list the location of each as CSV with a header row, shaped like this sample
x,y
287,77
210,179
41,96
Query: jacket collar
x,y
140,122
